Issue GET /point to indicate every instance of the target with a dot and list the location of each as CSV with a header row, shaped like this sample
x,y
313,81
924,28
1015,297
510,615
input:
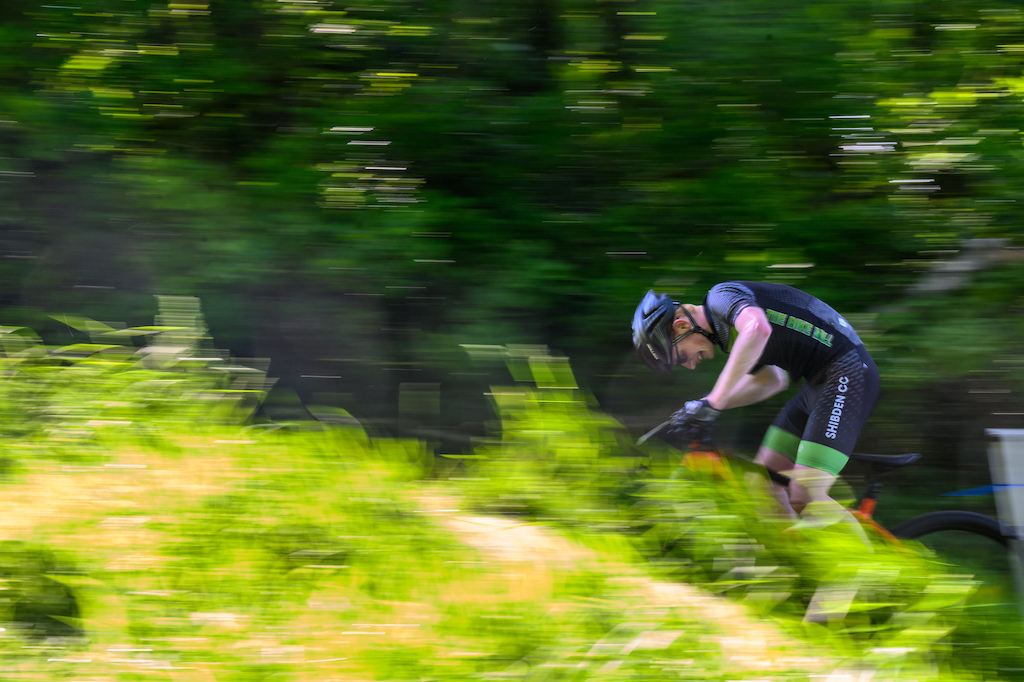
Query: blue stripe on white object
x,y
984,490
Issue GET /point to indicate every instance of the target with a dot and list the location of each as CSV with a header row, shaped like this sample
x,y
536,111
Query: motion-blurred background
x,y
357,192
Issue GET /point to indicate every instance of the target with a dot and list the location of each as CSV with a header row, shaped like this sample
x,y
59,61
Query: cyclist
x,y
773,334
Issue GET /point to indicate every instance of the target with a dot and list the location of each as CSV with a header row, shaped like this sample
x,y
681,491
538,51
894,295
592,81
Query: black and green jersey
x,y
807,334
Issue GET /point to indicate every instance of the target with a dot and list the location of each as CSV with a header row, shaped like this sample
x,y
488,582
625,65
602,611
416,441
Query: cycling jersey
x,y
806,333
819,426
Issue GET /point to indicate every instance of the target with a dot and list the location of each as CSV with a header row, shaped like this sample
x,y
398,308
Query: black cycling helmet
x,y
652,330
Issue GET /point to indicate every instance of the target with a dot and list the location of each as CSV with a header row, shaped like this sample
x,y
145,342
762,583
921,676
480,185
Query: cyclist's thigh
x,y
845,399
774,460
784,435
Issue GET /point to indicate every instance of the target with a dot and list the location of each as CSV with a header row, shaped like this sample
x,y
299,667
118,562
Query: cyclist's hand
x,y
695,413
693,423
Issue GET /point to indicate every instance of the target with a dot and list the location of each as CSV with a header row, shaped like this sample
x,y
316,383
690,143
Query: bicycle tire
x,y
969,543
941,521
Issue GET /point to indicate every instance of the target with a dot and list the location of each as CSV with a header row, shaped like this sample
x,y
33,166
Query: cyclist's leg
x,y
779,448
845,399
775,461
809,489
811,485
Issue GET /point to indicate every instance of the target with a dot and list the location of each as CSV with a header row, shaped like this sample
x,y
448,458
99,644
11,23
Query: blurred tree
x,y
493,172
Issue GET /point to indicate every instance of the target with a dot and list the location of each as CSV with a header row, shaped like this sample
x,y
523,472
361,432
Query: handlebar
x,y
653,432
705,444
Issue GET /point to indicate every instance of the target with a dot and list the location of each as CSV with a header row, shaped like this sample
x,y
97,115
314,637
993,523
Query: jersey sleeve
x,y
727,300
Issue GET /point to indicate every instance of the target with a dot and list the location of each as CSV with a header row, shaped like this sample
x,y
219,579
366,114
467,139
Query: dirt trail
x,y
748,642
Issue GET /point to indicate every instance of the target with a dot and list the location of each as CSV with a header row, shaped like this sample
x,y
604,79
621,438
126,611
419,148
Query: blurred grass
x,y
561,462
296,556
148,531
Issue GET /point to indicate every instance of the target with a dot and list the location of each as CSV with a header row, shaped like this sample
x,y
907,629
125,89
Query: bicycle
x,y
702,453
981,634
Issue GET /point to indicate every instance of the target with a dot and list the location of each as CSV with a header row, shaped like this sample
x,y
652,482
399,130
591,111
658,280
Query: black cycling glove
x,y
692,423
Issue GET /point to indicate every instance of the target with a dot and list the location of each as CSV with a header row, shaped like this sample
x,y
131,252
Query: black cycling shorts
x,y
824,419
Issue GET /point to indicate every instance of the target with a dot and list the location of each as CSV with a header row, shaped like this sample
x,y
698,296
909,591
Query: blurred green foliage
x,y
355,191
73,398
560,461
147,532
403,177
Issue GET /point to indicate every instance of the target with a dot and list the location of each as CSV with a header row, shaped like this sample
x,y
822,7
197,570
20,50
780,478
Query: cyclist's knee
x,y
799,498
808,485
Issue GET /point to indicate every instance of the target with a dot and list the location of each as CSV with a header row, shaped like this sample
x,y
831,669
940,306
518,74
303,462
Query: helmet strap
x,y
695,329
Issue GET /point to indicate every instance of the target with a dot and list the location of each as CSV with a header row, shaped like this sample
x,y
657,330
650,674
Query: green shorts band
x,y
804,452
821,457
781,441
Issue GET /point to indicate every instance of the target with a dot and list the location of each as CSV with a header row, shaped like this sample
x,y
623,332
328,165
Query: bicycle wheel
x,y
968,543
946,521
977,545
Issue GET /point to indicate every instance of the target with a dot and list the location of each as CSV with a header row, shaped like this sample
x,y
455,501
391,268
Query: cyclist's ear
x,y
680,324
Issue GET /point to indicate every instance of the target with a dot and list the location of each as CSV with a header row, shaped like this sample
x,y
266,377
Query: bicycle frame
x,y
708,458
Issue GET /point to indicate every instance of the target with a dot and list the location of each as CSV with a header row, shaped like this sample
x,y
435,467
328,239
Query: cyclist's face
x,y
692,350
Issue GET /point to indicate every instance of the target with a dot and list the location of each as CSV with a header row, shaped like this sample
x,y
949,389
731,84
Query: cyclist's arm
x,y
761,385
753,330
